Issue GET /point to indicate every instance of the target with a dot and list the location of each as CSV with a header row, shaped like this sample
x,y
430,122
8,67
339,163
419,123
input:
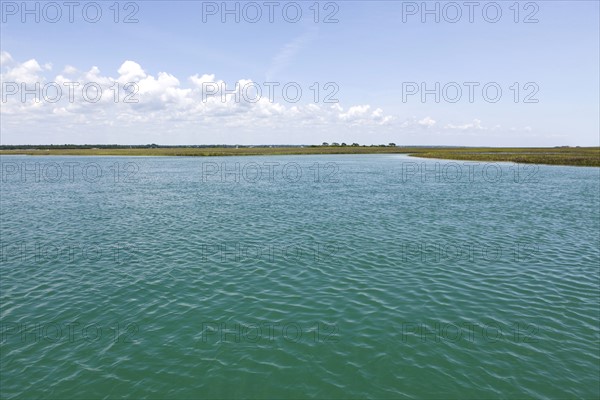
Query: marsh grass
x,y
576,156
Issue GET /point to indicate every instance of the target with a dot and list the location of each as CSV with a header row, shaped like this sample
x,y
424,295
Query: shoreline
x,y
566,156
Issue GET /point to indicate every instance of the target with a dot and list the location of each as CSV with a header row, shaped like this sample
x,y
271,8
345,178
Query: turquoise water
x,y
319,276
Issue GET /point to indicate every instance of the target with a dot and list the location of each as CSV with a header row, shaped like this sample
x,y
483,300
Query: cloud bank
x,y
135,106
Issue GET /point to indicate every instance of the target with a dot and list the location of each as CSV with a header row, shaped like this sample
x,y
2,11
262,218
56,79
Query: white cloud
x,y
524,129
27,72
130,71
427,122
199,80
164,104
5,58
474,125
355,112
69,70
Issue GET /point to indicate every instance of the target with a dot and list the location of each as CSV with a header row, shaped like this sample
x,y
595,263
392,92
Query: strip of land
x,y
575,156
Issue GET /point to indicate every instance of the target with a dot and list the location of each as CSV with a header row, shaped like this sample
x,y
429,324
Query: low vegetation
x,y
577,156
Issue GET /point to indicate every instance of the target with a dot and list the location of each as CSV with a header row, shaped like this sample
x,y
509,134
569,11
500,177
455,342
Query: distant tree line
x,y
158,146
135,146
336,144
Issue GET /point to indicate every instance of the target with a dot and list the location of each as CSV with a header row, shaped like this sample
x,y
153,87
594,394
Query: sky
x,y
479,73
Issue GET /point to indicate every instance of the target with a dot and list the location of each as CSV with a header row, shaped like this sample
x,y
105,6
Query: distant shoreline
x,y
571,156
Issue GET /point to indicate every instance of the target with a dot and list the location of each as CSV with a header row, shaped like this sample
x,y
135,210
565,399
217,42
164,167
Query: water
x,y
324,276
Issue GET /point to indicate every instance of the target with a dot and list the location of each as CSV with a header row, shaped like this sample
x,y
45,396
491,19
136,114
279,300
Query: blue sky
x,y
370,54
